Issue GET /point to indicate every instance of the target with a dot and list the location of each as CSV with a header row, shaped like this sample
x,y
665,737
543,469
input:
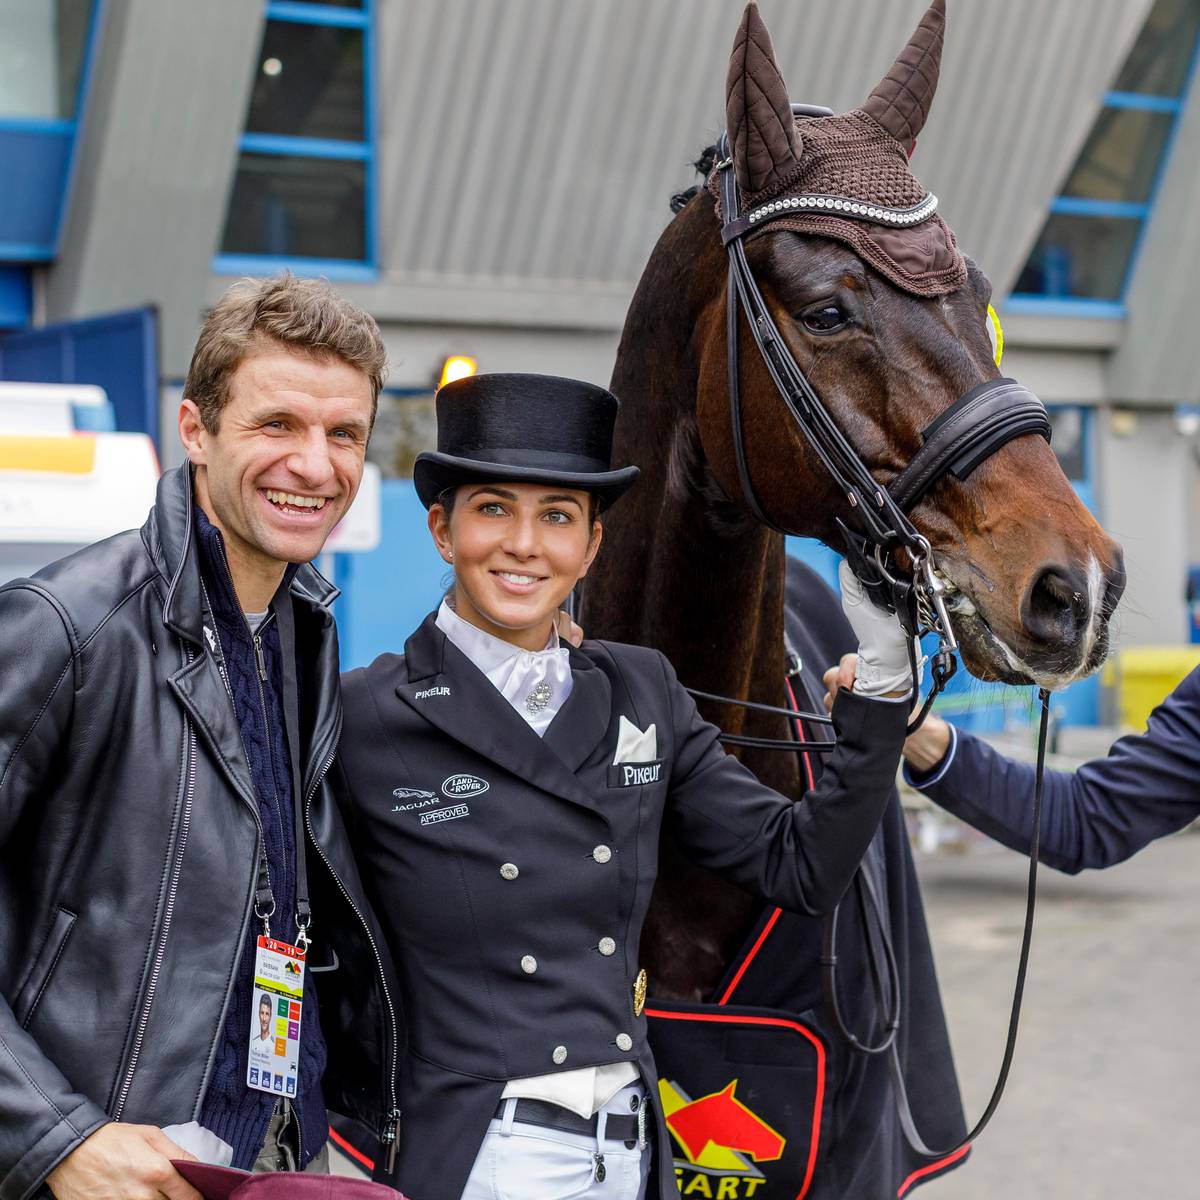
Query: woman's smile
x,y
518,583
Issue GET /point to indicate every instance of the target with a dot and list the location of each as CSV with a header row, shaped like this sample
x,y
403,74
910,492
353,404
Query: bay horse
x,y
1031,577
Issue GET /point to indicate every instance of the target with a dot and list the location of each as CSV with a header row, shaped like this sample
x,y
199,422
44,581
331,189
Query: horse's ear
x,y
901,101
763,138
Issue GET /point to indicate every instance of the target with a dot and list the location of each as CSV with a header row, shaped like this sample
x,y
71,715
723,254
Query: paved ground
x,y
1105,1091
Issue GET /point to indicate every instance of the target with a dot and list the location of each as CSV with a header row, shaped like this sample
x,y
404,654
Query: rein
x,y
966,434
886,982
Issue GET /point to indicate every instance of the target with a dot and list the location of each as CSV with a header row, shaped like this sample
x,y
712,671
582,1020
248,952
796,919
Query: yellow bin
x,y
1145,676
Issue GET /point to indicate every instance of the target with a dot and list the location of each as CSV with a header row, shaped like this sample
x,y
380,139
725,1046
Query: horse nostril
x,y
1114,586
1056,606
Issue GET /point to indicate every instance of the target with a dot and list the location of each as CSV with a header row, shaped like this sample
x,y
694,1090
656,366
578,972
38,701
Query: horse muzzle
x,y
1061,630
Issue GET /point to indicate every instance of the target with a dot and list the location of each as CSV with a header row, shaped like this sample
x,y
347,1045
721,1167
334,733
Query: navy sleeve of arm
x,y
801,854
1147,786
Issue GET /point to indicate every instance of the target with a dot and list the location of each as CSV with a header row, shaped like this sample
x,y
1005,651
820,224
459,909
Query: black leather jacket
x,y
128,834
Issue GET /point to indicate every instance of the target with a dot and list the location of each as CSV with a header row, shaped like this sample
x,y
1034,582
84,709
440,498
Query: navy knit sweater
x,y
238,1114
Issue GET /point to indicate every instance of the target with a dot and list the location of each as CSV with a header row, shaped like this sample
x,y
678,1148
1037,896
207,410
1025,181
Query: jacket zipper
x,y
261,666
261,663
220,660
390,1133
172,892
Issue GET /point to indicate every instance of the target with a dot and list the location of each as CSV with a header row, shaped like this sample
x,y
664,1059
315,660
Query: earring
x,y
450,554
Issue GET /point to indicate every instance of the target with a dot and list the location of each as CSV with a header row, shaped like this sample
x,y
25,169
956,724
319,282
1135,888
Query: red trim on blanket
x,y
819,1101
802,732
921,1172
762,937
345,1147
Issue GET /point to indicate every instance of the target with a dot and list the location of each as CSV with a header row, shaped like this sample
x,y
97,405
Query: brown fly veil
x,y
857,160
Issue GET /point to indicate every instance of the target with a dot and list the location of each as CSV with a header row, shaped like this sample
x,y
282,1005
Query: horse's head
x,y
890,324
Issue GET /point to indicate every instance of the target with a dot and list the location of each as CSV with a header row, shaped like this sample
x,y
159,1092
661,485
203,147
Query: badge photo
x,y
275,1019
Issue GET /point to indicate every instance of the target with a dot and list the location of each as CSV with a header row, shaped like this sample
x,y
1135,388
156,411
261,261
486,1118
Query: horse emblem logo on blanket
x,y
722,1141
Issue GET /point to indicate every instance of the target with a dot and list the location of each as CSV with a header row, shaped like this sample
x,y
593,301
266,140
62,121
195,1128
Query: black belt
x,y
554,1116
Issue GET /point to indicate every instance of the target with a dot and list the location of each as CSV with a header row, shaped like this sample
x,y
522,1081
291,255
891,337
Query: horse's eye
x,y
825,318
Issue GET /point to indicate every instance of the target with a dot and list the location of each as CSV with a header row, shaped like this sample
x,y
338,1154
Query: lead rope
x,y
867,891
891,1013
906,1117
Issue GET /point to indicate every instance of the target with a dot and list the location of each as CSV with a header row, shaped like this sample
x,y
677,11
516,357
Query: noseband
x,y
967,433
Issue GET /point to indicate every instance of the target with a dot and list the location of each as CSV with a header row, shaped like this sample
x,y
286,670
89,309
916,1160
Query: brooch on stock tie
x,y
538,699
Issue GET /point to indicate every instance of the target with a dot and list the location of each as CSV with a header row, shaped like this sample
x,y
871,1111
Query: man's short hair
x,y
305,315
265,999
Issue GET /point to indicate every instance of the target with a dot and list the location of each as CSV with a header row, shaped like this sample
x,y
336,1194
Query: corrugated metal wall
x,y
532,145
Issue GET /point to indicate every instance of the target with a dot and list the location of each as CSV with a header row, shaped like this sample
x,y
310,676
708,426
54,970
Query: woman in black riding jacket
x,y
505,793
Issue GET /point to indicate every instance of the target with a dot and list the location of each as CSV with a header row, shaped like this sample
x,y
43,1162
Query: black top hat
x,y
526,429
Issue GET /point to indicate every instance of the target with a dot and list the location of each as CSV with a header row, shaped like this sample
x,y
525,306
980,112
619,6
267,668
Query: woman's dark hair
x,y
448,498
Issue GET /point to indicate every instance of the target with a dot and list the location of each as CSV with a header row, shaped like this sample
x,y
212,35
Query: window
x,y
41,57
44,54
1086,249
1069,438
302,193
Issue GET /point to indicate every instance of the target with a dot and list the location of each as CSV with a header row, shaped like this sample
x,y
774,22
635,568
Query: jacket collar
x,y
214,571
476,715
484,649
170,538
584,718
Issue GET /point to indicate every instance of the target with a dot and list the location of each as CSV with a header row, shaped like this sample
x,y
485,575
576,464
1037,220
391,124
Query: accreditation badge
x,y
274,1060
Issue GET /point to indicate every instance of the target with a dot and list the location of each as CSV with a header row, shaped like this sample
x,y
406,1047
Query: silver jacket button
x,y
559,1055
607,946
624,1041
529,964
602,854
509,871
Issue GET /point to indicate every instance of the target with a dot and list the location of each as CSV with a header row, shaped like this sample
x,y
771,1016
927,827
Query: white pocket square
x,y
633,745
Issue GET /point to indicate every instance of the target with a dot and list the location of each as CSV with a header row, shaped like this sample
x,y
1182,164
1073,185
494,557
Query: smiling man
x,y
169,706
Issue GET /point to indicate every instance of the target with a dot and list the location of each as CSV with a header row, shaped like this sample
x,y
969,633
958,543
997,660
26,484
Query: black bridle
x,y
972,429
967,433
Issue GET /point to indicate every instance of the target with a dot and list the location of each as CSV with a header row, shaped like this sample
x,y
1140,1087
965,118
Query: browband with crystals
x,y
857,210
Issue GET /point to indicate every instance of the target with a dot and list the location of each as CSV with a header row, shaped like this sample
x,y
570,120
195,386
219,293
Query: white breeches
x,y
530,1162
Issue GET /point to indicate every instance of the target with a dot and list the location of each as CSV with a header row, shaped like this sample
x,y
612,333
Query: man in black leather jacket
x,y
134,824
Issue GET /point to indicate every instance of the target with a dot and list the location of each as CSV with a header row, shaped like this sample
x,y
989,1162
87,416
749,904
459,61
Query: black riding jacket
x,y
513,872
128,843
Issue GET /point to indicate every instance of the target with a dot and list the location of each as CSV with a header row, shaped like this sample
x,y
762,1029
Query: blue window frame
x,y
37,143
16,296
303,194
1083,259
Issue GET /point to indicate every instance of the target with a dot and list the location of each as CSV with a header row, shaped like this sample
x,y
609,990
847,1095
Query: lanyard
x,y
264,896
286,621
